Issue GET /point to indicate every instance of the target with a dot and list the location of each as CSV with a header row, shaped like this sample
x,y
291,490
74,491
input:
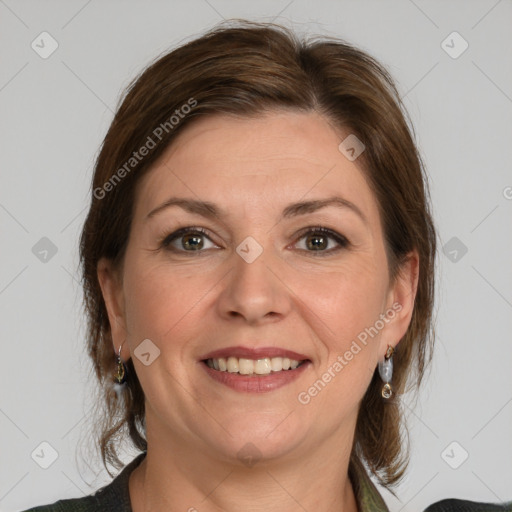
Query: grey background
x,y
54,114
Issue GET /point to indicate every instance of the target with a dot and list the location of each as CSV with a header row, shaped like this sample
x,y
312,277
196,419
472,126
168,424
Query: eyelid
x,y
166,240
322,229
341,240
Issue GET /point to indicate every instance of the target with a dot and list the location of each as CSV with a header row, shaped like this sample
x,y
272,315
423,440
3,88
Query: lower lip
x,y
256,383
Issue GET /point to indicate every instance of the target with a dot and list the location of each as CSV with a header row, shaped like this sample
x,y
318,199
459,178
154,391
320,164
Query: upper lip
x,y
254,353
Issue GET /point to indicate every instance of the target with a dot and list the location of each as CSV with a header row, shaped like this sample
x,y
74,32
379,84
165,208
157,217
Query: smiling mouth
x,y
253,367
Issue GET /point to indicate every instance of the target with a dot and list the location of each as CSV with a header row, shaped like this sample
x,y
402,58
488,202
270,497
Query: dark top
x,y
116,496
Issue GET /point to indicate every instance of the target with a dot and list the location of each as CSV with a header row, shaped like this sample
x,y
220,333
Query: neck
x,y
177,477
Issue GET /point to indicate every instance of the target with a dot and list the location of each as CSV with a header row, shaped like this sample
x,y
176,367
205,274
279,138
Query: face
x,y
255,241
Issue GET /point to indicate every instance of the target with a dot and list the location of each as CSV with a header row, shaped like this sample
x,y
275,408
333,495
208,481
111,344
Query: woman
x,y
258,265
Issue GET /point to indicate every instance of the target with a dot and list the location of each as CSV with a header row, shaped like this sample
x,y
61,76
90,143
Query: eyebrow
x,y
211,211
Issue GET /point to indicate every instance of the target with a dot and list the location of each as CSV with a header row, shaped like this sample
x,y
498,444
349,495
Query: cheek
x,y
158,299
345,307
346,304
346,301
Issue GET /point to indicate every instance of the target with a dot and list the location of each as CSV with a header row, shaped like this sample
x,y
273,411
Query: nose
x,y
254,292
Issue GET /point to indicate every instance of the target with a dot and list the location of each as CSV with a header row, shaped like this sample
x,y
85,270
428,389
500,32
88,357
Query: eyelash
x,y
342,242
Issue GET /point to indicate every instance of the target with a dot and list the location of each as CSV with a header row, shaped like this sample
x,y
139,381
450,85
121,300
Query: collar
x,y
368,498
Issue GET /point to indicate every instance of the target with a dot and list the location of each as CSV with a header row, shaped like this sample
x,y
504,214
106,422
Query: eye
x,y
321,240
189,239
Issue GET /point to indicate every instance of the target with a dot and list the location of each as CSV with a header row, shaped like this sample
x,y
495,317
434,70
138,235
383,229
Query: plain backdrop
x,y
54,113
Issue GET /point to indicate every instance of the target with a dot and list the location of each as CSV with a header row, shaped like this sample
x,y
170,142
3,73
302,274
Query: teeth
x,y
245,366
262,366
232,364
276,364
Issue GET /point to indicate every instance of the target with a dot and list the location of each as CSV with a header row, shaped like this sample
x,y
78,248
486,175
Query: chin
x,y
258,439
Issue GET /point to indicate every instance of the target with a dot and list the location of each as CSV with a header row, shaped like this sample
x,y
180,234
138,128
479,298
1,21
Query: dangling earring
x,y
386,372
120,374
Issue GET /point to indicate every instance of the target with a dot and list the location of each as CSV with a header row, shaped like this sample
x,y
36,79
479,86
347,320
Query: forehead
x,y
269,160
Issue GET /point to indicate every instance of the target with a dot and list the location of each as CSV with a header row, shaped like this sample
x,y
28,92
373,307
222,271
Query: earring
x,y
120,374
386,372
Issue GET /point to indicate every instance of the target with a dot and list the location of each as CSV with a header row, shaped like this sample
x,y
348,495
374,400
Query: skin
x,y
189,304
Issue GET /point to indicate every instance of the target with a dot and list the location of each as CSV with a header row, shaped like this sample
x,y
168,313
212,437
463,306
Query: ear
x,y
400,302
112,290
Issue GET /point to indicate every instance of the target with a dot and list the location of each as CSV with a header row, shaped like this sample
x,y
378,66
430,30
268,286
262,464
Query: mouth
x,y
253,367
254,370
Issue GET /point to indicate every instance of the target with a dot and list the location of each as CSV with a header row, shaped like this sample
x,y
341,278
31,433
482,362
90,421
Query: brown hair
x,y
247,69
